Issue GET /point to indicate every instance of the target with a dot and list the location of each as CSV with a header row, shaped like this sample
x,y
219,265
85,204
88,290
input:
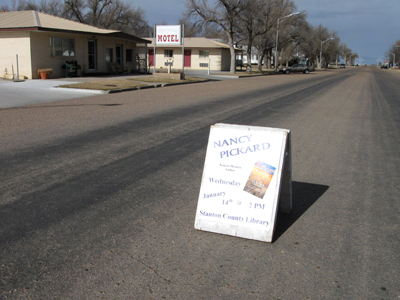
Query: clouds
x,y
158,11
367,27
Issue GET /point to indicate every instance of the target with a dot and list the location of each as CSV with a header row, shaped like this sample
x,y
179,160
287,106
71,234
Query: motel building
x,y
199,54
33,41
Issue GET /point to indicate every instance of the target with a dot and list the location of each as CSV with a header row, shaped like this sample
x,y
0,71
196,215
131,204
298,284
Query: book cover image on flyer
x,y
259,179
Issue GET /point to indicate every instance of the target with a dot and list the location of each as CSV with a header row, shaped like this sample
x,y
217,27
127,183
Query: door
x,y
188,58
151,57
119,58
109,55
92,55
118,55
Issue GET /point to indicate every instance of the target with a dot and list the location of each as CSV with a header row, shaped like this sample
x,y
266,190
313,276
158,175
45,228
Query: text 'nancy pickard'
x,y
239,146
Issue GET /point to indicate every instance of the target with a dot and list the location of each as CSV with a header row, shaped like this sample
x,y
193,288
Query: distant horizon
x,y
366,27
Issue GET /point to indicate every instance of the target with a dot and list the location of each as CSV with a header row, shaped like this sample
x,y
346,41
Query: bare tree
x,y
23,5
346,53
300,37
251,24
222,12
74,9
292,35
319,39
395,49
264,45
272,10
310,47
122,16
343,51
52,7
96,9
208,30
109,14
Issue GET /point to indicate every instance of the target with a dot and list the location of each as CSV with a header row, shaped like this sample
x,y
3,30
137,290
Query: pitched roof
x,y
34,20
196,42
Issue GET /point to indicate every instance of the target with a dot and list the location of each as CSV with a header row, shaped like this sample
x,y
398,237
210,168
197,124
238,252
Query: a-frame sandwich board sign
x,y
247,175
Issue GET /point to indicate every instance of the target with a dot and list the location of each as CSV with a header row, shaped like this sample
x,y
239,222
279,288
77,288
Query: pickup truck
x,y
297,68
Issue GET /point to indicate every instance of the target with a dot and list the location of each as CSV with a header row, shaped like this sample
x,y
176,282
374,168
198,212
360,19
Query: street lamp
x,y
394,57
337,58
277,32
320,54
351,54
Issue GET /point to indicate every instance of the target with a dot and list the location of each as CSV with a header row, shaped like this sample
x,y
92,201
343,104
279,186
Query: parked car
x,y
297,68
385,67
343,65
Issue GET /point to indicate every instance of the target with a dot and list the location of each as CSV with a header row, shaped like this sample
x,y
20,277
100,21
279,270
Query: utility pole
x,y
277,32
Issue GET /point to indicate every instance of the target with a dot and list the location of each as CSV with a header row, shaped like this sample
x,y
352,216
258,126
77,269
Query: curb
x,y
151,86
79,90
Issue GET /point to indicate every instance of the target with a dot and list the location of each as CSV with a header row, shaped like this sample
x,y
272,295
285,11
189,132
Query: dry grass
x,y
155,79
114,84
105,85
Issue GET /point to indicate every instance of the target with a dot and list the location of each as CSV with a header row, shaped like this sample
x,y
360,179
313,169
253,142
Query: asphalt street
x,y
98,195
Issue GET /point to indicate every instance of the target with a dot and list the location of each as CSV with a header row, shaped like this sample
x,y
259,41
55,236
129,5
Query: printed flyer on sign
x,y
239,184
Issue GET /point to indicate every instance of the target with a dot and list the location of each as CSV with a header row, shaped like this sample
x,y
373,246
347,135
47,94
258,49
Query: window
x,y
168,53
204,53
129,55
109,54
92,54
119,54
62,46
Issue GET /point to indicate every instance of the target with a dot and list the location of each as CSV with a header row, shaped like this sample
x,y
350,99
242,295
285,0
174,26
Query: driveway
x,y
38,91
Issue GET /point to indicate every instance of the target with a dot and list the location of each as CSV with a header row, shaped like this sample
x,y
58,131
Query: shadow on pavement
x,y
304,196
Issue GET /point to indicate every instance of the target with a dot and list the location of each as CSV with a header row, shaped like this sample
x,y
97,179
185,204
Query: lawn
x,y
104,85
155,79
134,82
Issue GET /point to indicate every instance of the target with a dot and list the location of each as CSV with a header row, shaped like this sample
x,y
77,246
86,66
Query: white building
x,y
199,54
43,41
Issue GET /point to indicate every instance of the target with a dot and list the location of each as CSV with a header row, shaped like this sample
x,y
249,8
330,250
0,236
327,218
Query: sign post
x,y
246,177
170,35
183,51
154,51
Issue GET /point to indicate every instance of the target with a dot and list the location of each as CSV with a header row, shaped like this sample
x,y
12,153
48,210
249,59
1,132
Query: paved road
x,y
98,195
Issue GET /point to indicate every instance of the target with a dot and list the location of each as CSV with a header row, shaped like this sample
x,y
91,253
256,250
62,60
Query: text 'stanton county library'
x,y
42,41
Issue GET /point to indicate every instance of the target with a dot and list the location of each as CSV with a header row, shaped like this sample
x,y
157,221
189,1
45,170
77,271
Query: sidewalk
x,y
33,91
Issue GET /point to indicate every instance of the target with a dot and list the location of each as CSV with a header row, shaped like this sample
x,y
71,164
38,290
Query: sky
x,y
368,27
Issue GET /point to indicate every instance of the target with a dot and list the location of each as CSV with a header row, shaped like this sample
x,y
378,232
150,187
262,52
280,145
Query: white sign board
x,y
168,35
246,171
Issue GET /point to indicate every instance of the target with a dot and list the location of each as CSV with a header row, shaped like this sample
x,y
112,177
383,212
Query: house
x,y
45,41
199,54
254,55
